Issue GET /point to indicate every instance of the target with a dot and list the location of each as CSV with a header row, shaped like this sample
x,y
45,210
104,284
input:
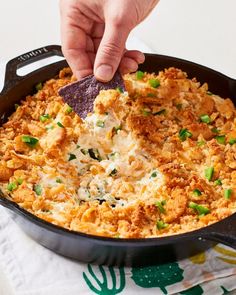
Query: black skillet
x,y
101,250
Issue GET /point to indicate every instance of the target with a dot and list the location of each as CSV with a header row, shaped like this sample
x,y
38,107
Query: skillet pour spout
x,y
102,250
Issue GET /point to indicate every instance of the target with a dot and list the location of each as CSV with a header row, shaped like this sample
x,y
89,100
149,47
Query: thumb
x,y
110,51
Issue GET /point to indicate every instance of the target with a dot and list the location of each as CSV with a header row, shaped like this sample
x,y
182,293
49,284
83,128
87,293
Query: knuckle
x,y
120,21
111,49
68,52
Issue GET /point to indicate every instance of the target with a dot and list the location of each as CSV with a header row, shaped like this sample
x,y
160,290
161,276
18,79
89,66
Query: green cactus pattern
x,y
103,285
196,290
157,276
224,290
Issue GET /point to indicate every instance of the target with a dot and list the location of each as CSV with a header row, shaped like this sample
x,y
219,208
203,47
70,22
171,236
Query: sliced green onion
x,y
29,140
39,86
139,75
154,83
209,173
113,172
19,181
218,182
100,124
209,93
205,119
179,106
184,134
228,193
71,157
201,210
200,143
60,125
215,130
44,118
154,174
197,192
84,151
94,154
161,112
69,109
49,128
160,205
38,189
58,180
16,106
120,90
220,139
232,141
161,224
146,112
12,186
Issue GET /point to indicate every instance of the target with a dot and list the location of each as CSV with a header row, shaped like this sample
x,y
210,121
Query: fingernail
x,y
104,72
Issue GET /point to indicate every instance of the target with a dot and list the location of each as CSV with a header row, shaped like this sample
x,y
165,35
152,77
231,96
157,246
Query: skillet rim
x,y
198,233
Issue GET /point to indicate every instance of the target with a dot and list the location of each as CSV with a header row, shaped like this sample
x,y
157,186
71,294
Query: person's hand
x,y
94,33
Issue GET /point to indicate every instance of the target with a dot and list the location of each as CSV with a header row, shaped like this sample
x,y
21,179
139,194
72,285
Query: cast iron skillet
x,y
101,250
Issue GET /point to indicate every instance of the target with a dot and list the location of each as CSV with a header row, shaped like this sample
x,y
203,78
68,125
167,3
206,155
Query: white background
x,y
203,31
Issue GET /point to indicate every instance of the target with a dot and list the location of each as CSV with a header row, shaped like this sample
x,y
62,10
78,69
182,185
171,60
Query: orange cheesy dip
x,y
157,160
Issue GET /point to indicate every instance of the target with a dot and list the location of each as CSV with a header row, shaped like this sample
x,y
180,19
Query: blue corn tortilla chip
x,y
81,94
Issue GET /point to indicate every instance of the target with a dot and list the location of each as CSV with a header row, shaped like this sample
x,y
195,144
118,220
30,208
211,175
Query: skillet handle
x,y
223,232
11,77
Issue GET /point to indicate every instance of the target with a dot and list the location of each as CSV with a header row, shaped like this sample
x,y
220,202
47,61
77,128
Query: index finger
x,y
74,44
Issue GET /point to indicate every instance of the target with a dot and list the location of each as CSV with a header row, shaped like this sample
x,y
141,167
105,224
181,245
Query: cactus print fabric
x,y
210,272
32,269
